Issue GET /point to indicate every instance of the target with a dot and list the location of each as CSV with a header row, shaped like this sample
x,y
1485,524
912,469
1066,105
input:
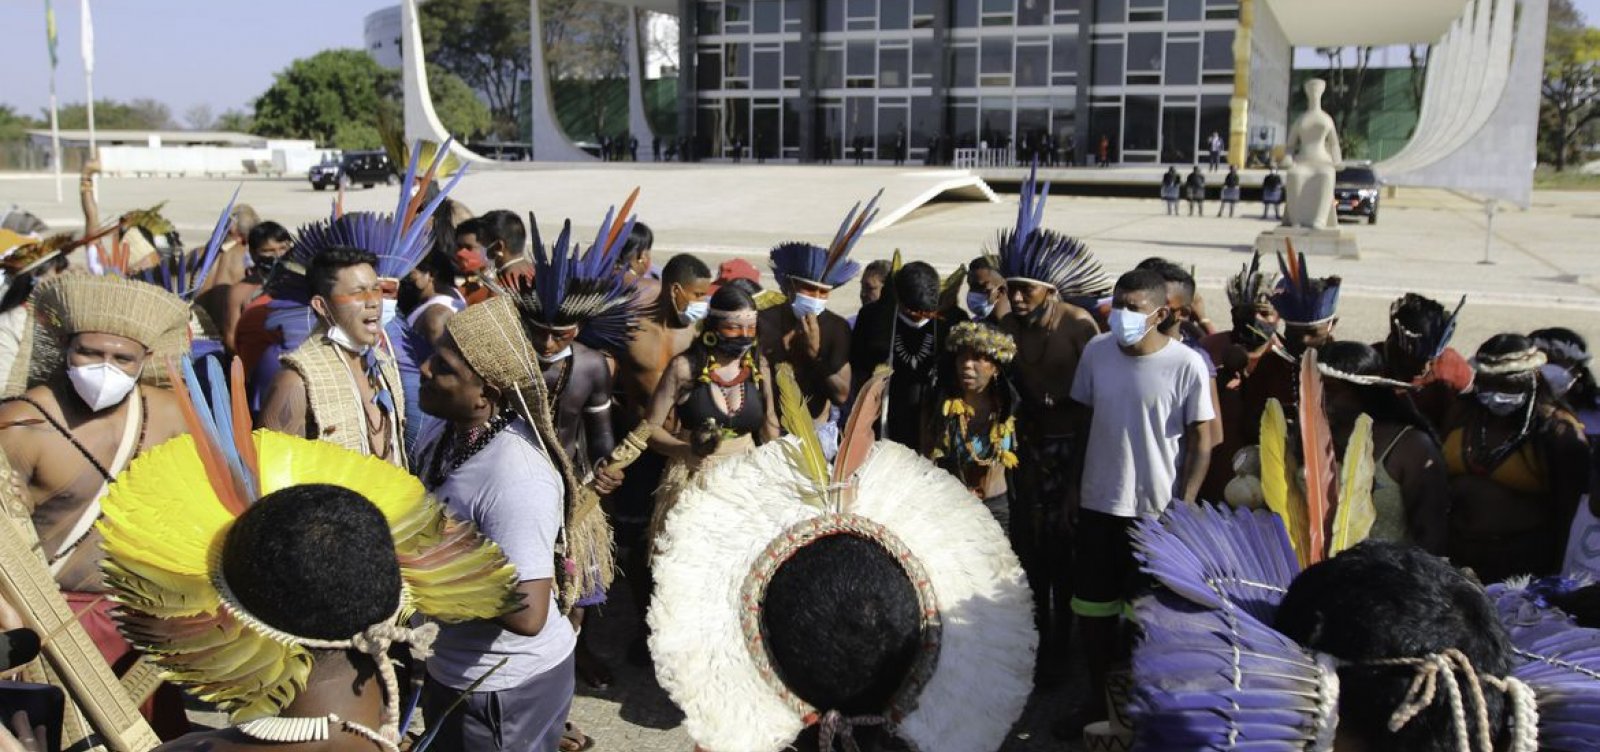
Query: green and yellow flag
x,y
50,31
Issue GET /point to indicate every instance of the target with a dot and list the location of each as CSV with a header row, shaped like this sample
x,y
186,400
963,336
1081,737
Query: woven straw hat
x,y
74,303
490,337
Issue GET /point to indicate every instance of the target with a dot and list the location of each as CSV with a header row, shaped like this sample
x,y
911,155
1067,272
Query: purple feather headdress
x,y
1030,253
826,267
185,276
399,245
1557,658
1300,298
585,289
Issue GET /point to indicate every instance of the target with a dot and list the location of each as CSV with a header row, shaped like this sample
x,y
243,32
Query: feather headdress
x,y
399,240
164,535
1420,325
572,287
1251,285
826,267
1555,657
1300,298
1030,253
184,275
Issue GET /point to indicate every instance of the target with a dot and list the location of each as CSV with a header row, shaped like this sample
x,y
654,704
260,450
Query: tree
x,y
238,121
458,107
1571,87
314,96
199,117
487,44
14,125
1345,86
137,115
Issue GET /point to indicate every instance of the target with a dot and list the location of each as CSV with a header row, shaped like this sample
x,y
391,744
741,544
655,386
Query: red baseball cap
x,y
731,270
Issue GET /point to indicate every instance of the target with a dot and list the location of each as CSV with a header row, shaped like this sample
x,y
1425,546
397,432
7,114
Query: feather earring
x,y
1322,466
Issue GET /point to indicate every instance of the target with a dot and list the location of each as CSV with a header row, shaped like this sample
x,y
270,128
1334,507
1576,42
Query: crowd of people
x,y
578,410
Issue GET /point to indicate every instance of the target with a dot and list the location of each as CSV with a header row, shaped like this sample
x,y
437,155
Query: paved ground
x,y
1545,271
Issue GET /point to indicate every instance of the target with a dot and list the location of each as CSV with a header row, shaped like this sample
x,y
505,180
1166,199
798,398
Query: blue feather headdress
x,y
1557,658
826,267
398,244
183,275
585,289
1300,298
1030,253
1427,330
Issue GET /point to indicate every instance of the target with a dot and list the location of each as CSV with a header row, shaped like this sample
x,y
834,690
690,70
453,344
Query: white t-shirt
x,y
1142,405
513,493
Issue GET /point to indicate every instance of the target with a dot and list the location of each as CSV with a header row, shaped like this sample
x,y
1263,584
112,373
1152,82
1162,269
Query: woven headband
x,y
746,317
1519,362
1031,281
1360,380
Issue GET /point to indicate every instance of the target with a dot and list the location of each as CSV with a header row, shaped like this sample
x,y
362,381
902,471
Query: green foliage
x,y
14,125
137,115
355,135
485,43
459,109
235,120
314,97
1570,92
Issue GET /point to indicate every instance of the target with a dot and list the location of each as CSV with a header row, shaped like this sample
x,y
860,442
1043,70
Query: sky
x,y
220,53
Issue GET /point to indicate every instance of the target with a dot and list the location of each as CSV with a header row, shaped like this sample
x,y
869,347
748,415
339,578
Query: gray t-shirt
x,y
1141,407
513,493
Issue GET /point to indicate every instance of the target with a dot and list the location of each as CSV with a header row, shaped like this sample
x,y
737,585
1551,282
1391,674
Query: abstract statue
x,y
1313,160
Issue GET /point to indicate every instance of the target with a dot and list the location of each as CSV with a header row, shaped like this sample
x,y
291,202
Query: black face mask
x,y
732,346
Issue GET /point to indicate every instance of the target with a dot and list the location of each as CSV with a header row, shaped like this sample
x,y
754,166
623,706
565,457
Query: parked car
x,y
368,168
1355,192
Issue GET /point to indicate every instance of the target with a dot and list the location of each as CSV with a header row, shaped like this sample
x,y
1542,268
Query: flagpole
x,y
88,85
55,135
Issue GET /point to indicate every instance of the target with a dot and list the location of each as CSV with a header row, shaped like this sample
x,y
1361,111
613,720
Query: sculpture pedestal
x,y
1320,242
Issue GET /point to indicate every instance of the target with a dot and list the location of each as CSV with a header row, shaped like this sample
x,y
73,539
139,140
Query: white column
x,y
421,122
638,123
550,144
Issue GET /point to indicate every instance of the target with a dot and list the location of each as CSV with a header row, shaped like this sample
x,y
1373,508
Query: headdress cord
x,y
836,725
376,641
1431,670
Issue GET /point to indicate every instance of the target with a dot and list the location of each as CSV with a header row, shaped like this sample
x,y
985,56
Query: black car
x,y
368,168
1355,193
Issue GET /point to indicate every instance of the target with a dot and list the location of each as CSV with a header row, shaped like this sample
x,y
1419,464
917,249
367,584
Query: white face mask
x,y
1501,403
979,304
343,339
391,309
911,322
563,355
101,385
696,311
805,305
1129,326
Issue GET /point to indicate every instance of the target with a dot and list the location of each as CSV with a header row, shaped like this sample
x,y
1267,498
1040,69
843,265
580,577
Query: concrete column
x,y
807,101
638,123
421,122
550,144
688,91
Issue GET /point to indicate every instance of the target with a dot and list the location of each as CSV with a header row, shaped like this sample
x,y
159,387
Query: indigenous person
x,y
873,280
312,582
976,439
471,262
804,333
1252,368
494,461
822,582
67,438
23,267
635,262
1308,306
1170,183
1516,469
906,331
268,242
1410,488
1380,646
717,395
425,301
1041,268
342,384
986,291
1148,401
1566,373
1188,323
1417,352
504,239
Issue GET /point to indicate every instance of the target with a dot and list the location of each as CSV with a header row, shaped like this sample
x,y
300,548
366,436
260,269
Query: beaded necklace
x,y
476,440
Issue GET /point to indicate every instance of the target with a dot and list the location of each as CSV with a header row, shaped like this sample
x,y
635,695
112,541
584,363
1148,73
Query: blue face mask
x,y
696,310
1129,326
805,305
979,304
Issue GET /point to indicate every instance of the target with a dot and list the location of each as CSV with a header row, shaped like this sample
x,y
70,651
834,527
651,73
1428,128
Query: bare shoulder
x,y
164,404
13,410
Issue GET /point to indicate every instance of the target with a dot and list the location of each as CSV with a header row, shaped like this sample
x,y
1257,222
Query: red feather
x,y
242,440
858,436
837,252
1294,263
211,458
1321,463
621,219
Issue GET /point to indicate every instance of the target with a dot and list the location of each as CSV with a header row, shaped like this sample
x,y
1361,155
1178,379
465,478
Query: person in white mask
x,y
1517,467
66,439
1148,399
342,385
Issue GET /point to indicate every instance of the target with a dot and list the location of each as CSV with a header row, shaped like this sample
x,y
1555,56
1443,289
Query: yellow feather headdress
x,y
164,536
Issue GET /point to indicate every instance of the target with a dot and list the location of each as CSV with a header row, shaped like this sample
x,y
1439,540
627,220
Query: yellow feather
x,y
797,420
143,500
894,265
950,289
768,299
1356,513
1278,484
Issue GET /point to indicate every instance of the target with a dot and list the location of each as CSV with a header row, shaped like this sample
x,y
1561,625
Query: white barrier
x,y
976,158
286,158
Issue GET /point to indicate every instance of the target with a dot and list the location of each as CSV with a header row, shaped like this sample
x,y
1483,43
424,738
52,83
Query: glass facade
x,y
812,79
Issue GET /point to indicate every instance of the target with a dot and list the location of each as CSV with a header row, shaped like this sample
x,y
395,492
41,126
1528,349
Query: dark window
x,y
765,139
964,125
738,56
894,14
1110,11
1144,52
1140,131
1177,134
996,56
1183,63
833,15
768,70
863,8
923,7
999,6
1108,64
964,66
1033,65
794,59
996,126
894,68
1357,176
859,123
791,124
966,14
708,123
861,58
925,120
1145,10
1105,122
1064,53
890,121
710,18
1219,50
738,11
1033,12
769,16
1184,10
830,69
1214,117
794,10
708,70
738,122
924,57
